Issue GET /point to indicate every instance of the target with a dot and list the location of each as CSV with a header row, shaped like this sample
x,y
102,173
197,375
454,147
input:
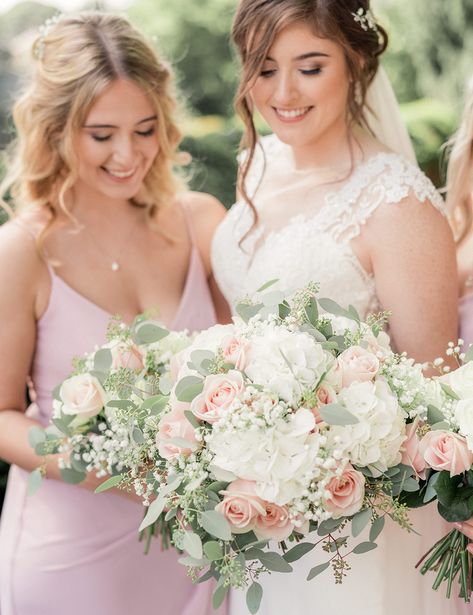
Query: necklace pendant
x,y
115,266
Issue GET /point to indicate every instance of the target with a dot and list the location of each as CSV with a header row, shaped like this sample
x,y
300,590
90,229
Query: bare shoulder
x,y
205,208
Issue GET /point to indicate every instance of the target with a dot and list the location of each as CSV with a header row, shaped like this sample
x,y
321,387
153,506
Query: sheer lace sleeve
x,y
383,179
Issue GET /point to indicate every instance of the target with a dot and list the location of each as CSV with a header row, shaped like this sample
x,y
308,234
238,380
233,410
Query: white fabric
x,y
304,233
384,117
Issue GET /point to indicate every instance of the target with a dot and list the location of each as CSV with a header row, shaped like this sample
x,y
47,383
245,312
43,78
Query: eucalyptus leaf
x,y
215,524
213,551
111,482
332,307
441,426
197,356
170,514
122,404
430,492
254,595
192,544
36,435
434,415
79,465
317,570
448,390
312,311
189,387
336,414
188,560
329,526
468,354
55,393
246,311
219,596
376,528
298,551
272,298
103,360
138,436
193,420
267,285
364,547
182,443
153,400
34,481
154,510
206,577
71,476
311,330
284,310
148,333
253,553
165,385
220,474
274,561
360,521
353,313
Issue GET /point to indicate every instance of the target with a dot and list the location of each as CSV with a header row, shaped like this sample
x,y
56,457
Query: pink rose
x,y
357,365
241,506
219,393
443,450
234,351
411,455
345,494
127,356
173,425
274,524
82,395
325,395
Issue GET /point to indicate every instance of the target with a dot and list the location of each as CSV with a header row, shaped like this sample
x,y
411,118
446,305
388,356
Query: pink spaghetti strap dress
x,y
67,551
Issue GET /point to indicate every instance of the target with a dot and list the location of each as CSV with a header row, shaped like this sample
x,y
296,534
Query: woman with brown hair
x,y
102,226
331,197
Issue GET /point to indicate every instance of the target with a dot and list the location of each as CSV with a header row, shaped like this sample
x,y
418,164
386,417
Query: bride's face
x,y
303,87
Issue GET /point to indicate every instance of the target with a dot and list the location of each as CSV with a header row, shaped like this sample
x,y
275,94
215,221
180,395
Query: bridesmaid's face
x,y
118,142
303,87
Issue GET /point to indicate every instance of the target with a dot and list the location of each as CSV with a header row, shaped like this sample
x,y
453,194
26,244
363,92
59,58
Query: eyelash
x,y
308,72
146,133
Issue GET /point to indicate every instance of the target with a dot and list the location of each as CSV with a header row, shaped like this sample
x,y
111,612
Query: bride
x,y
323,198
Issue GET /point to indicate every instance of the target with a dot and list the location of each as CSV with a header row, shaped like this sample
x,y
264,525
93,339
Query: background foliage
x,y
429,60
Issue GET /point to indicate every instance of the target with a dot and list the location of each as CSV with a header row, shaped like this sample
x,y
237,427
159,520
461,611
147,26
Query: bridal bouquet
x,y
443,457
290,420
103,413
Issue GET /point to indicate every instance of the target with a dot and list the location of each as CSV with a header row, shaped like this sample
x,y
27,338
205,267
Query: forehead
x,y
298,39
122,101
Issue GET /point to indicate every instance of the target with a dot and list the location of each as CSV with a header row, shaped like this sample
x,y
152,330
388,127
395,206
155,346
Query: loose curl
x,y
460,173
257,23
77,59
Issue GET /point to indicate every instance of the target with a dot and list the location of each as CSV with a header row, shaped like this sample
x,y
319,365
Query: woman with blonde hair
x,y
102,226
334,196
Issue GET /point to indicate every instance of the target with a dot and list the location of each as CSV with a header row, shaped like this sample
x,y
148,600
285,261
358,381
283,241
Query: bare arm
x,y
413,258
207,213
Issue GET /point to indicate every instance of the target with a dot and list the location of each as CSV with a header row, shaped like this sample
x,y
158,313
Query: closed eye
x,y
100,138
267,73
145,133
311,71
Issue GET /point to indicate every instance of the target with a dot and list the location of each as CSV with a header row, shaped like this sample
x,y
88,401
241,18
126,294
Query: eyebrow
x,y
305,56
146,119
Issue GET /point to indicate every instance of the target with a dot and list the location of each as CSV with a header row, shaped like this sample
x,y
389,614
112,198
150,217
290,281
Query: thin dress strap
x,y
189,224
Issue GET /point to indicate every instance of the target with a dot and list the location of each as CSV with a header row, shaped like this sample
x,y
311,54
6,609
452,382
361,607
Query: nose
x,y
285,88
124,152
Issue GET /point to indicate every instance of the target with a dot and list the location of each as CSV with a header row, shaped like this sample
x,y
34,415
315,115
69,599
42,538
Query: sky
x,y
65,5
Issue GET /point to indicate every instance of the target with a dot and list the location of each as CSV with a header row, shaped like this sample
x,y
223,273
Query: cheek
x,y
260,93
91,154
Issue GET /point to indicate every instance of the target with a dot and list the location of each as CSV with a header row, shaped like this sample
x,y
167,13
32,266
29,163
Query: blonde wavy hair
x,y
77,58
460,173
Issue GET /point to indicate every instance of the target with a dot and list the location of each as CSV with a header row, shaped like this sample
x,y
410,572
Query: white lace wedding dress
x,y
304,232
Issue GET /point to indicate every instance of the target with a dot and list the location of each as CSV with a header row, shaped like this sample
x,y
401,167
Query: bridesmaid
x,y
102,226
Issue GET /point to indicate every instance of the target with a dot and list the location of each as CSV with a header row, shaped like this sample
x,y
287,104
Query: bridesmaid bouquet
x,y
443,457
287,421
105,412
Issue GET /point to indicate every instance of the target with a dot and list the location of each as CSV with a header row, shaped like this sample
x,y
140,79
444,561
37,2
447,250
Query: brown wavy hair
x,y
76,60
257,23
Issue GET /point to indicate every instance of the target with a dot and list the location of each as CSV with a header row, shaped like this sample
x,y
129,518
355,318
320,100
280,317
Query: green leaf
x,y
111,482
36,435
430,492
122,404
148,333
138,436
253,597
154,510
72,477
215,524
353,313
210,574
336,414
246,312
193,561
376,528
34,481
193,420
183,443
434,415
468,354
329,526
273,298
189,387
360,521
275,562
441,426
267,285
165,385
213,551
79,465
364,547
219,596
221,475
312,312
170,514
459,510
448,390
55,392
284,310
63,428
154,399
103,360
298,551
253,553
192,544
332,307
317,570
446,487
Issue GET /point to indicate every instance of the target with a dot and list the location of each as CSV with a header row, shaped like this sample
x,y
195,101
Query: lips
x,y
292,115
120,174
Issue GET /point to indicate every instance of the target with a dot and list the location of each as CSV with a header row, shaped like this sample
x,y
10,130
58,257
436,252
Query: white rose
x,y
286,362
464,418
82,395
461,380
376,439
277,458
